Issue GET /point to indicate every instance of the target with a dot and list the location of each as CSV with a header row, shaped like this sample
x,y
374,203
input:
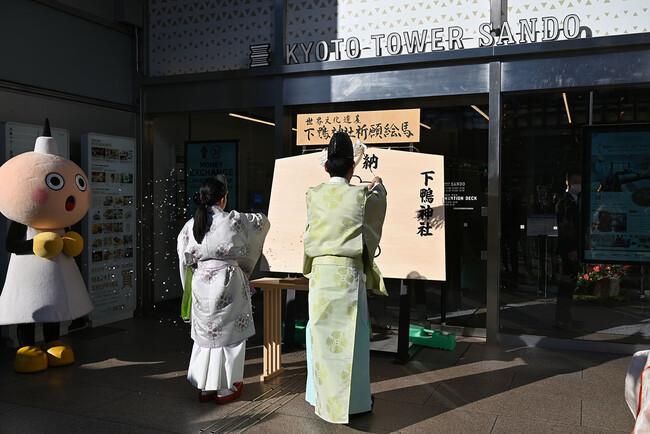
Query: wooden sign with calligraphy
x,y
371,127
413,241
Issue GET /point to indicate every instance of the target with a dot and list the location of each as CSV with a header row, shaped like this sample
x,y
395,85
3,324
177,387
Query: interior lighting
x,y
481,112
235,115
425,126
566,106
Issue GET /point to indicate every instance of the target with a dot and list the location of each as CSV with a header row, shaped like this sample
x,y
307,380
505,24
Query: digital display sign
x,y
616,198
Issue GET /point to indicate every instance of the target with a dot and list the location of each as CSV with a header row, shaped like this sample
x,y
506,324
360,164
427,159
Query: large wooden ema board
x,y
413,240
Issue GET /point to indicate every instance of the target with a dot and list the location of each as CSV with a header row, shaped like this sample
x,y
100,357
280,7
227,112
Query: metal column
x,y
282,133
494,205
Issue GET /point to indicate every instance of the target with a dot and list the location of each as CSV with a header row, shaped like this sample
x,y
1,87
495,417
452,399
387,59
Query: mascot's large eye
x,y
55,181
81,182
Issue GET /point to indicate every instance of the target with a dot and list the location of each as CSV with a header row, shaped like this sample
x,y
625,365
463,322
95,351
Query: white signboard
x,y
413,240
110,226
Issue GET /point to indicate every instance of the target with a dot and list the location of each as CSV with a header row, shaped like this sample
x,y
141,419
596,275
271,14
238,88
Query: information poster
x,y
110,228
616,212
206,160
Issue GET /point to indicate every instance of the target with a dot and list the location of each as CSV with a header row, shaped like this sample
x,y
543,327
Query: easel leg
x,y
404,322
290,320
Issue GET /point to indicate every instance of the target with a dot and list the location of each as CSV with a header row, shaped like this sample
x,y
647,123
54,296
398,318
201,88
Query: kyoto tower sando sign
x,y
437,39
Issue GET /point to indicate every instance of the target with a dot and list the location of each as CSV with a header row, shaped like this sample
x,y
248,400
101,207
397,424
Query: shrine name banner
x,y
371,127
413,239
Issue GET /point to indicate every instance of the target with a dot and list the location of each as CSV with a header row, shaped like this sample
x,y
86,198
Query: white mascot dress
x,y
43,194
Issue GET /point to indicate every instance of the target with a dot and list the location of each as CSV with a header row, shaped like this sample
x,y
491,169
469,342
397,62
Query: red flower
x,y
627,266
596,268
608,268
586,276
615,275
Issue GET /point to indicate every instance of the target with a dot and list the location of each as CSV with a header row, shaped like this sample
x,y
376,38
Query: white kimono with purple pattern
x,y
221,313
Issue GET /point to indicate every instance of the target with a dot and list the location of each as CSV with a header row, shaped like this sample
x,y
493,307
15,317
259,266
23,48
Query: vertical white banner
x,y
110,226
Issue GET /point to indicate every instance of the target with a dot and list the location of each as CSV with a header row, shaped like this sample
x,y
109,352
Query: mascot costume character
x,y
42,194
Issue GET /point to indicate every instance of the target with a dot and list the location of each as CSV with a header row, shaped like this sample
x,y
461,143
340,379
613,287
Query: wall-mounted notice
x,y
616,208
110,226
371,127
19,138
206,160
413,239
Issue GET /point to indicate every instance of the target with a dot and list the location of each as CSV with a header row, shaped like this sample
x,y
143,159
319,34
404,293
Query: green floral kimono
x,y
344,224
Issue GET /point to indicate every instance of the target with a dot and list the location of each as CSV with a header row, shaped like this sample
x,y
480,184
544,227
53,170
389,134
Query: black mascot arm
x,y
16,242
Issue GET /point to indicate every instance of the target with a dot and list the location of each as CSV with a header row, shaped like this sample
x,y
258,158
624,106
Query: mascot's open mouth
x,y
69,203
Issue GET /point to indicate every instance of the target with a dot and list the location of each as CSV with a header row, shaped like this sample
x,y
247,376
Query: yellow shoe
x,y
58,353
30,359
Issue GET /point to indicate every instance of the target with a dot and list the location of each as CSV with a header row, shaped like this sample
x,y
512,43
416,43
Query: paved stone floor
x,y
129,377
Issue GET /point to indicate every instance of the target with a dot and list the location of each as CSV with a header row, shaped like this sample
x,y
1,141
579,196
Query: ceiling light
x,y
481,112
566,106
235,115
425,126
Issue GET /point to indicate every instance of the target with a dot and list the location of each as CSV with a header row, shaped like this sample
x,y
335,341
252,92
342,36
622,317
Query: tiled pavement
x,y
129,377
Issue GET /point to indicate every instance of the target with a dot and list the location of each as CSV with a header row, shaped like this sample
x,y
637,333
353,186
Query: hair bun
x,y
203,198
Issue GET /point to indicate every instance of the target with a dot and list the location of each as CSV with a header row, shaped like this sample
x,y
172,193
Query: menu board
x,y
616,205
206,160
110,226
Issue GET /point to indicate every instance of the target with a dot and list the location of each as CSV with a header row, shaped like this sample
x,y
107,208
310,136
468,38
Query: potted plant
x,y
603,279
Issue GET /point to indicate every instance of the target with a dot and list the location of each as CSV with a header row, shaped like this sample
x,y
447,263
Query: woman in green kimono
x,y
344,225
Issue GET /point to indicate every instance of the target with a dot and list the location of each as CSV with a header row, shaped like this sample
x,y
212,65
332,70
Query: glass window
x,y
545,289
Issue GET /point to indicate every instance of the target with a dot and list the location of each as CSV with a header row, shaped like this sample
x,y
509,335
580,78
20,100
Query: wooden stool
x,y
272,288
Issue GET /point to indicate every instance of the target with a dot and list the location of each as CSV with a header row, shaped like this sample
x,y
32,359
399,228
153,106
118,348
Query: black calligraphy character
x,y
319,121
357,120
310,132
428,175
424,230
323,133
309,121
346,119
426,195
362,132
370,162
392,129
327,121
405,129
350,131
337,120
376,131
425,213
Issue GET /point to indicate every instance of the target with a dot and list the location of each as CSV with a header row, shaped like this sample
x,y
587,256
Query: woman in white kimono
x,y
217,251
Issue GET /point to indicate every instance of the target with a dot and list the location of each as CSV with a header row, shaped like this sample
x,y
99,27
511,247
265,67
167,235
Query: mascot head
x,y
42,189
